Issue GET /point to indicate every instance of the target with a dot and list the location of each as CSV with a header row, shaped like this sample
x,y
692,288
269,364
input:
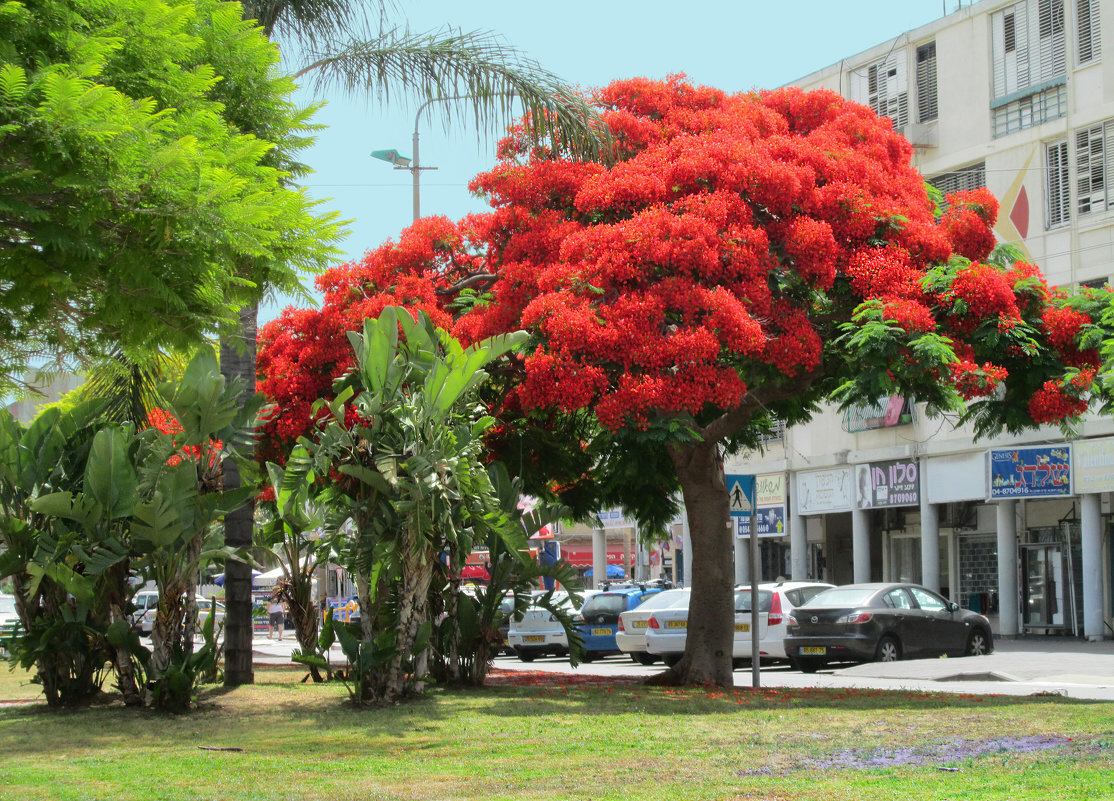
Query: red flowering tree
x,y
743,259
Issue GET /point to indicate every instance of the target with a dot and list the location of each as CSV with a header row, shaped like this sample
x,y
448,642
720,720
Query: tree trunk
x,y
413,599
237,358
711,630
303,612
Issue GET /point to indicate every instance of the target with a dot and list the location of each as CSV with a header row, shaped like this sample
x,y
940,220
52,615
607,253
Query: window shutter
x,y
1051,46
1108,161
1058,186
1089,45
926,83
1090,186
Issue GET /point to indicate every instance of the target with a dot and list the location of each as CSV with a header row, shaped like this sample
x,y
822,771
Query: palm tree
x,y
473,72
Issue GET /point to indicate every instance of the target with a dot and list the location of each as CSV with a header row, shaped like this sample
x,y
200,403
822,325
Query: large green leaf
x,y
110,477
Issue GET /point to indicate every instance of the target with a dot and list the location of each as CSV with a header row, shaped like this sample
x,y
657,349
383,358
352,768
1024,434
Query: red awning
x,y
580,554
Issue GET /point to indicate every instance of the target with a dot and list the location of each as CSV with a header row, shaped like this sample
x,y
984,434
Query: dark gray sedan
x,y
882,623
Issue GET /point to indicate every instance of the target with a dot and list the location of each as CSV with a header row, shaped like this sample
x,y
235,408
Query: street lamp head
x,y
391,156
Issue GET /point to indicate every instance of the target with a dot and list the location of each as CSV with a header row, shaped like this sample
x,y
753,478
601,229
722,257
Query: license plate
x,y
742,627
813,650
601,632
638,624
676,624
534,638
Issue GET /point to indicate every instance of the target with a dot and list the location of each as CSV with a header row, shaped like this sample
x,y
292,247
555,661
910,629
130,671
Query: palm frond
x,y
129,384
476,73
305,22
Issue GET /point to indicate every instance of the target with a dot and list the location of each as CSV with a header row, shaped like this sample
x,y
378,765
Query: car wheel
x,y
806,665
889,650
643,658
978,644
671,659
526,656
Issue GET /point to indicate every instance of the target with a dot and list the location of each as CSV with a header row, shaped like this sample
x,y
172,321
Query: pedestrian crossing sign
x,y
740,494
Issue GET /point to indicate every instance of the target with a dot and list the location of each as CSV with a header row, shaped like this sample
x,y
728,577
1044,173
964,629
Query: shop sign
x,y
769,490
614,518
770,520
1093,465
820,491
895,482
1042,471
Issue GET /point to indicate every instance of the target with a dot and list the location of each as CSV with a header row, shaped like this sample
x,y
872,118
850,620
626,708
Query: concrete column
x,y
686,538
742,554
798,541
599,557
1008,617
930,543
1090,510
860,545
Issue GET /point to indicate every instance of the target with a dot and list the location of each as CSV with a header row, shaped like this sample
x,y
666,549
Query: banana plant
x,y
294,534
71,589
405,436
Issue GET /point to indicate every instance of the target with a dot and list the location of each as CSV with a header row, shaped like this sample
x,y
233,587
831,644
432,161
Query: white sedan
x,y
667,629
631,635
539,632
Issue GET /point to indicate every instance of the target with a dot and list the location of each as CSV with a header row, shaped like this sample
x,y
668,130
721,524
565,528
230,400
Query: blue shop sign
x,y
1042,471
770,519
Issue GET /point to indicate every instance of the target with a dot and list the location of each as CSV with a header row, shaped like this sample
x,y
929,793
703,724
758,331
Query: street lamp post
x,y
414,166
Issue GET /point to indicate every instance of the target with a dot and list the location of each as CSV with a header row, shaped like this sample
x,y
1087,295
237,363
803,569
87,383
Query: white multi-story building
x,y
1019,97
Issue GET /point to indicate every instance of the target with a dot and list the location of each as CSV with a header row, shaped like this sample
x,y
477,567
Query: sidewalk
x,y
1031,660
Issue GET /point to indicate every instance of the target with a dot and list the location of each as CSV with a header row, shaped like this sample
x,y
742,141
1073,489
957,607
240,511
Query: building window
x,y
883,86
926,83
1029,59
1088,46
896,410
776,433
1058,190
1030,110
1094,163
962,180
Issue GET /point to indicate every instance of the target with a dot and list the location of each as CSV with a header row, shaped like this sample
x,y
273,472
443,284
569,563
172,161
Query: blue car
x,y
599,617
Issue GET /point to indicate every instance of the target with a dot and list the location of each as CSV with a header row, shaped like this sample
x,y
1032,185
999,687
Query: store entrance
x,y
1048,593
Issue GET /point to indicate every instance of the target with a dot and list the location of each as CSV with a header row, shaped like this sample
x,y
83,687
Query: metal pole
x,y
416,171
755,661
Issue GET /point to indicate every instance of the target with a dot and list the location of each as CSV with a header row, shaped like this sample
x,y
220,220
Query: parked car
x,y
538,632
630,636
776,600
667,630
147,601
882,623
9,620
598,620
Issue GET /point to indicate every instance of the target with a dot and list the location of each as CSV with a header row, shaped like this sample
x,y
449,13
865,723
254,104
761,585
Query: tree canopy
x,y
745,258
128,188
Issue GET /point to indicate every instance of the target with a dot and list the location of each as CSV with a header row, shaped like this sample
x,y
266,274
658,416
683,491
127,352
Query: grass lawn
x,y
561,742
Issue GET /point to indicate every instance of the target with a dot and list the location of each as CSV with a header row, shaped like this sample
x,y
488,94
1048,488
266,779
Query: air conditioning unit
x,y
922,134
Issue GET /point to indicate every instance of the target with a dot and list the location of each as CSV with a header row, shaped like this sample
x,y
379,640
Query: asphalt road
x,y
1017,667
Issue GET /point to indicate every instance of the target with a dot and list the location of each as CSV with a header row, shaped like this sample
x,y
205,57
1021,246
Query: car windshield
x,y
843,596
665,600
742,600
7,606
605,603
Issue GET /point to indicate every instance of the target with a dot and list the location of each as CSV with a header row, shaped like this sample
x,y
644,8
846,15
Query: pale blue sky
x,y
730,45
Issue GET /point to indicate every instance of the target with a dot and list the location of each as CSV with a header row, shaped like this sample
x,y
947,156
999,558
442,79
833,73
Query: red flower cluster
x,y
975,381
969,221
163,421
1055,401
